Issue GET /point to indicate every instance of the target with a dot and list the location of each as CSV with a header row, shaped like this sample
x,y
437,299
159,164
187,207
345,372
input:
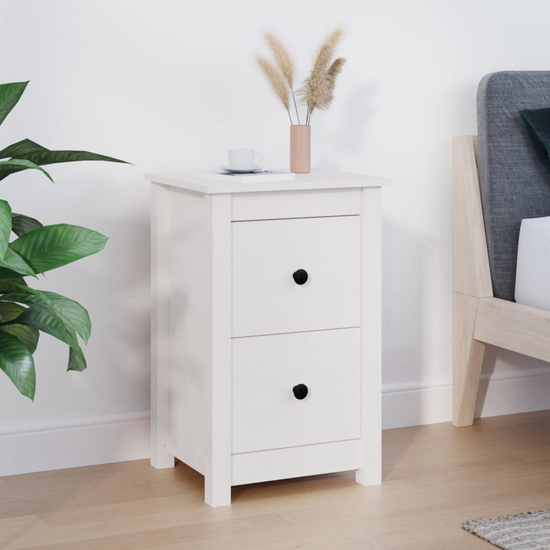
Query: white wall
x,y
170,84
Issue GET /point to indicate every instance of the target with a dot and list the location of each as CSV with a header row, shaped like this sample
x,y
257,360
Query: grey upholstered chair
x,y
497,181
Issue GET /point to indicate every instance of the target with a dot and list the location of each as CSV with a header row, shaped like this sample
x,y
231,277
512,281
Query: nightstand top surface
x,y
316,179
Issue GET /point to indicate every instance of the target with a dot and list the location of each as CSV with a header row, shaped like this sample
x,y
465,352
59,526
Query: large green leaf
x,y
17,362
11,166
78,315
20,149
7,275
77,361
54,246
11,151
21,224
13,261
29,336
42,319
5,221
29,150
13,284
10,94
71,314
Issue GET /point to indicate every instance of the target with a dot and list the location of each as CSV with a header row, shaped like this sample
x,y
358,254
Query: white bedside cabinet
x,y
266,329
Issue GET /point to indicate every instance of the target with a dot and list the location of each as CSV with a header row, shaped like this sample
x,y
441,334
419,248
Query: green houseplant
x,y
36,249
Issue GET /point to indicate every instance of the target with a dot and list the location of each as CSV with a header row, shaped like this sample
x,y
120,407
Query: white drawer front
x,y
266,412
266,254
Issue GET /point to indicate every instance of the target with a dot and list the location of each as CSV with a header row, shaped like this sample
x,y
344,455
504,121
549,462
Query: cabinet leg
x,y
160,459
216,492
160,456
371,474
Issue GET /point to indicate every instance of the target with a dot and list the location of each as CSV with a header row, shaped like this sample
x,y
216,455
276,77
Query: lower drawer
x,y
270,408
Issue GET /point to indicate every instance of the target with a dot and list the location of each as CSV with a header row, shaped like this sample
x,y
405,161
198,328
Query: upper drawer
x,y
296,204
266,255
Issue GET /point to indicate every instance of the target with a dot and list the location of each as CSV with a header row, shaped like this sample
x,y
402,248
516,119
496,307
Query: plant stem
x,y
290,117
295,106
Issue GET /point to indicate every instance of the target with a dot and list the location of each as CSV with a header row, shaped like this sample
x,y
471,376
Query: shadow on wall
x,y
123,323
405,327
346,138
405,280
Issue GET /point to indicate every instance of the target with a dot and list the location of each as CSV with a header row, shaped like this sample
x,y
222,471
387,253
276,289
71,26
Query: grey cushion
x,y
513,181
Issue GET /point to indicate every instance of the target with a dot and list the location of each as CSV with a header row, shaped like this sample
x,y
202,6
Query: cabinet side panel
x,y
190,304
160,327
371,337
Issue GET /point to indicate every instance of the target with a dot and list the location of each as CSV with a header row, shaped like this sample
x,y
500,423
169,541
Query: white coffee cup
x,y
243,159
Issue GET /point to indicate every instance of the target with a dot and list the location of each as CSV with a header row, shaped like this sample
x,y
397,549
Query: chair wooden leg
x,y
467,359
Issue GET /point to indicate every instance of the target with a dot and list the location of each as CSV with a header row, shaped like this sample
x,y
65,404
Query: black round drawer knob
x,y
300,277
300,391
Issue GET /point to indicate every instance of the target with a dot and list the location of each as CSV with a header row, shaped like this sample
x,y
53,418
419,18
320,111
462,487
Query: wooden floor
x,y
435,477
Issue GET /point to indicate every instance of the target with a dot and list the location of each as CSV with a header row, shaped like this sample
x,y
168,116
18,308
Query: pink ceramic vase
x,y
300,149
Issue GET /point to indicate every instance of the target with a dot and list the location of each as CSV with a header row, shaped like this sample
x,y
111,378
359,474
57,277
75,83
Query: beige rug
x,y
527,531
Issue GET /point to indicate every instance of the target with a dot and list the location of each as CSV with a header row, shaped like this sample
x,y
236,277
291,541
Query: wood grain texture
x,y
189,301
471,272
478,317
371,337
471,278
296,204
234,333
193,343
291,462
217,483
467,359
513,326
315,180
266,300
435,478
266,369
161,456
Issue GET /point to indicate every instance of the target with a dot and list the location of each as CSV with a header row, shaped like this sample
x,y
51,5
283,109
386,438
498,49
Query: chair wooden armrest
x,y
478,317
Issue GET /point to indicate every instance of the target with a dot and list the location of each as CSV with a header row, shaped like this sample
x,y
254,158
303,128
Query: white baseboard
x,y
120,437
499,394
72,443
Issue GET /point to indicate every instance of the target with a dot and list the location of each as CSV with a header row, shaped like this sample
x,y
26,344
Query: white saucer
x,y
251,170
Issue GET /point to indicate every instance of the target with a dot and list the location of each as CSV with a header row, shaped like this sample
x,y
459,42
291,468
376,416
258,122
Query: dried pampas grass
x,y
282,57
326,53
318,93
332,76
284,62
335,69
276,81
318,89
